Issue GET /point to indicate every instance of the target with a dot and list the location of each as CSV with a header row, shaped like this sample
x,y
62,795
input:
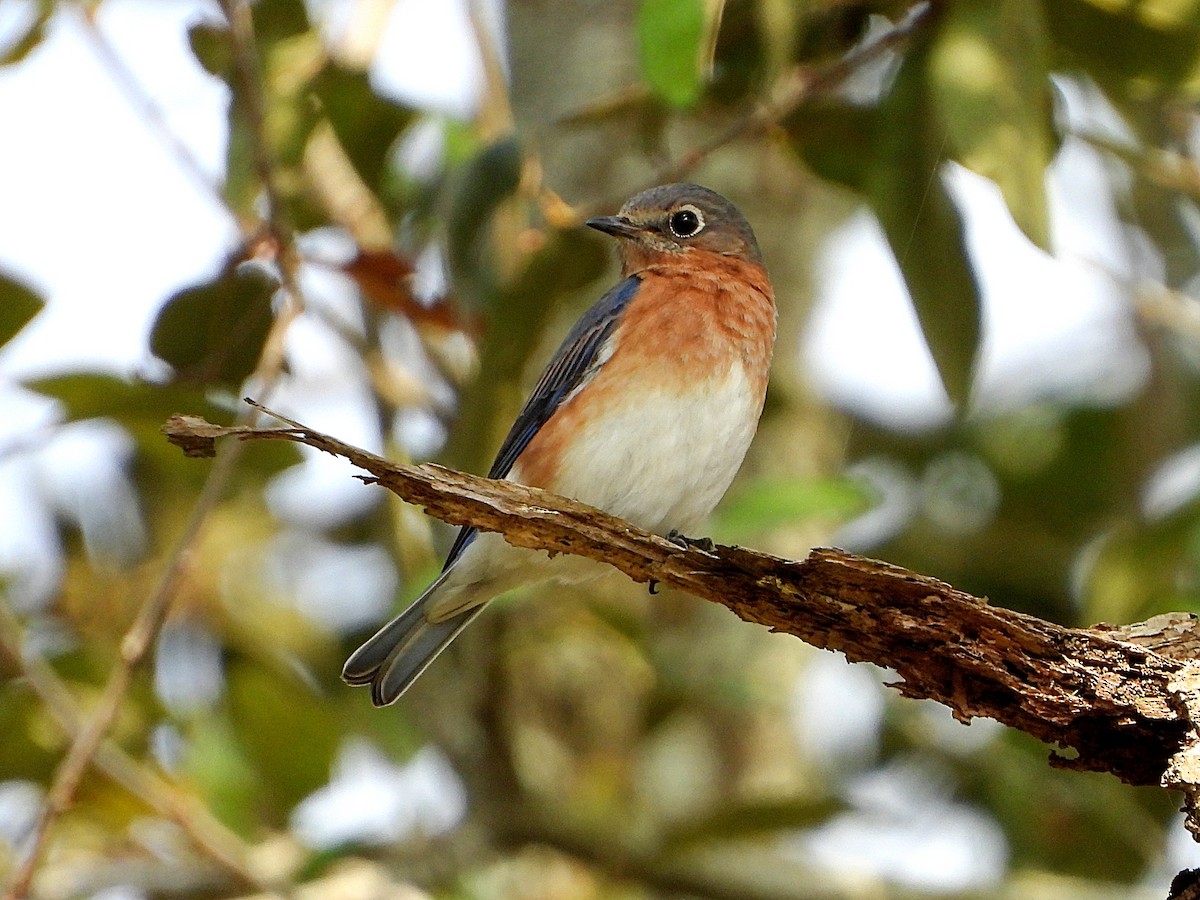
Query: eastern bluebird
x,y
645,411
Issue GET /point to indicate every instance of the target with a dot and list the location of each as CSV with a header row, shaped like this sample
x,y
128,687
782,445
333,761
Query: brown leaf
x,y
385,279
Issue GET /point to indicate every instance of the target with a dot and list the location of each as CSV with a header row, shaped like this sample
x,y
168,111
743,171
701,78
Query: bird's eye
x,y
686,222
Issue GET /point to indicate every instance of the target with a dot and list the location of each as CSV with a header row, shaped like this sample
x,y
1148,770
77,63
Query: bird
x,y
646,411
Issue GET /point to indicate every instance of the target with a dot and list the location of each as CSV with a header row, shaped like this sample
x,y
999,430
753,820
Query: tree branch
x,y
1117,699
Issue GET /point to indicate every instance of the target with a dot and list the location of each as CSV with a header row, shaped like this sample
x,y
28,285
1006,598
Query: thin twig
x,y
1157,304
1168,308
249,76
214,840
1167,169
495,114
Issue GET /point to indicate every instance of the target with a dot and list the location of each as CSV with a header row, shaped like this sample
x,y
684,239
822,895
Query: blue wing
x,y
570,366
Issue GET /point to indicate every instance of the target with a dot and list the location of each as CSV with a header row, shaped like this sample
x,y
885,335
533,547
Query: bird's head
x,y
676,219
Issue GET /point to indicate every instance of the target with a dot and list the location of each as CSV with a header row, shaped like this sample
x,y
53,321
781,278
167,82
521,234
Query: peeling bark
x,y
1118,699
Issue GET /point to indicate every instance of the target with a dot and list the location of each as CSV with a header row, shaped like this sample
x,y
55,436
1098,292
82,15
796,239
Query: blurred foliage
x,y
213,333
675,38
609,744
18,304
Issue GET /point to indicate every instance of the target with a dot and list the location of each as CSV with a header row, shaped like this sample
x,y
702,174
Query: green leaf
x,y
141,409
290,743
754,44
893,154
989,81
923,227
291,53
1137,569
217,764
213,48
22,717
486,182
290,67
1156,42
835,140
213,333
88,396
276,20
18,304
366,124
771,502
673,37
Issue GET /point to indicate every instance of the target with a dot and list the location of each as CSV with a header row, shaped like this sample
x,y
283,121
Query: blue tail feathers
x,y
402,649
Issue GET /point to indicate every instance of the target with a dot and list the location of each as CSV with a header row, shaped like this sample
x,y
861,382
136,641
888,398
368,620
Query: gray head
x,y
677,218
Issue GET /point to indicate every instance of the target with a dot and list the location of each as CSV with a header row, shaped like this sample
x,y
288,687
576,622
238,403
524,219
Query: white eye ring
x,y
686,222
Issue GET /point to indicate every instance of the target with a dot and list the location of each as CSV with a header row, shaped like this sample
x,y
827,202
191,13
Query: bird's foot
x,y
689,543
686,543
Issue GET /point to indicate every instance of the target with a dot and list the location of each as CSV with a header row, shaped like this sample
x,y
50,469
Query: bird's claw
x,y
688,543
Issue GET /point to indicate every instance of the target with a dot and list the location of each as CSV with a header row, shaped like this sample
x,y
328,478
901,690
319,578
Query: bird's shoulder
x,y
575,361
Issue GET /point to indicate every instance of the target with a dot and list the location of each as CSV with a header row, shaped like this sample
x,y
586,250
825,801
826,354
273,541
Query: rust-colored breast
x,y
693,318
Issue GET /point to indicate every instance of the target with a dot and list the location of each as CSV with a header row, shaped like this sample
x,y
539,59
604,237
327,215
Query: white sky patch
x,y
905,828
1053,326
98,214
19,804
863,346
81,472
1173,485
837,714
103,220
341,587
371,800
436,66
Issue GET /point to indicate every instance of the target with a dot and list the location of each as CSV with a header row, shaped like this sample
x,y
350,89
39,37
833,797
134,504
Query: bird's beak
x,y
618,226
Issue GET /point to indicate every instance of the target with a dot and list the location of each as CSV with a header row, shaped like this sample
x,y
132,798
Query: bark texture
x,y
1118,699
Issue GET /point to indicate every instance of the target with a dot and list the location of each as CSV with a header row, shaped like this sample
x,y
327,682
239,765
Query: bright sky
x,y
124,225
129,225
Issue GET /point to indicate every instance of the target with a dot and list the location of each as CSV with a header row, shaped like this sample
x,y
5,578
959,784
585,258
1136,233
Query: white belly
x,y
664,460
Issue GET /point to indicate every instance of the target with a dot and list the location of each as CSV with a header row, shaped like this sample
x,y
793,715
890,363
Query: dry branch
x,y
1117,699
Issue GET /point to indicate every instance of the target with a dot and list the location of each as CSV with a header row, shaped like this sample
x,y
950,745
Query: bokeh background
x,y
981,220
